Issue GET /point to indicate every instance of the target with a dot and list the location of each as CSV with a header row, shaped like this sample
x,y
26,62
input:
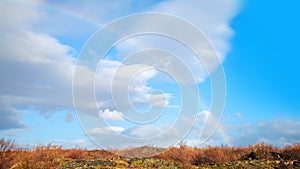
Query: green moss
x,y
137,163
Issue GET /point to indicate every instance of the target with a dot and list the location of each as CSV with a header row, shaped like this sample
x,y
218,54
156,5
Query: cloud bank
x,y
37,68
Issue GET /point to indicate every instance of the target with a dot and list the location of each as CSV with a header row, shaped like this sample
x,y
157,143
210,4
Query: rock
x,y
251,156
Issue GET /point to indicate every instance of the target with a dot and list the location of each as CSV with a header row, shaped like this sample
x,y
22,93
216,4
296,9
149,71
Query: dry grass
x,y
219,155
51,156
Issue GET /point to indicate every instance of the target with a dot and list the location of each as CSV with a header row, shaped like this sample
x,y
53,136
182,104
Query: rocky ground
x,y
163,164
118,163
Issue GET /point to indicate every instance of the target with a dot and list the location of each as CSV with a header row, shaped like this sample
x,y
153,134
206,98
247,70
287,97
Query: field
x,y
50,156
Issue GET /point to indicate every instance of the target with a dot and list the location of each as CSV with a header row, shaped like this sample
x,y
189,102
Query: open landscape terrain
x,y
259,155
167,84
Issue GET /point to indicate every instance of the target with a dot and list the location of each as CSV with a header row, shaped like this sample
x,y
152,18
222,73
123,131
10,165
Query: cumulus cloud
x,y
118,87
212,17
103,130
147,130
111,115
128,84
214,25
278,132
37,70
200,137
169,133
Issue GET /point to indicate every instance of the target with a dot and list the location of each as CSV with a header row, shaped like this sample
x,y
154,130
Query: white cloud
x,y
164,135
211,17
37,70
276,132
111,115
125,86
280,132
203,115
104,130
146,131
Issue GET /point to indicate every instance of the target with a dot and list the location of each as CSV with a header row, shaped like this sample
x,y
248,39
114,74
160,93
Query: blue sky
x,y
262,65
257,42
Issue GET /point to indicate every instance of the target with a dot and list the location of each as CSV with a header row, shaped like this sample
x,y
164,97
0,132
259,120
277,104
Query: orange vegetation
x,y
50,156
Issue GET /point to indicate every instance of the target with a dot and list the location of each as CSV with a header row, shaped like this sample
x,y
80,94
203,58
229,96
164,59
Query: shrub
x,y
76,154
292,152
51,156
6,145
